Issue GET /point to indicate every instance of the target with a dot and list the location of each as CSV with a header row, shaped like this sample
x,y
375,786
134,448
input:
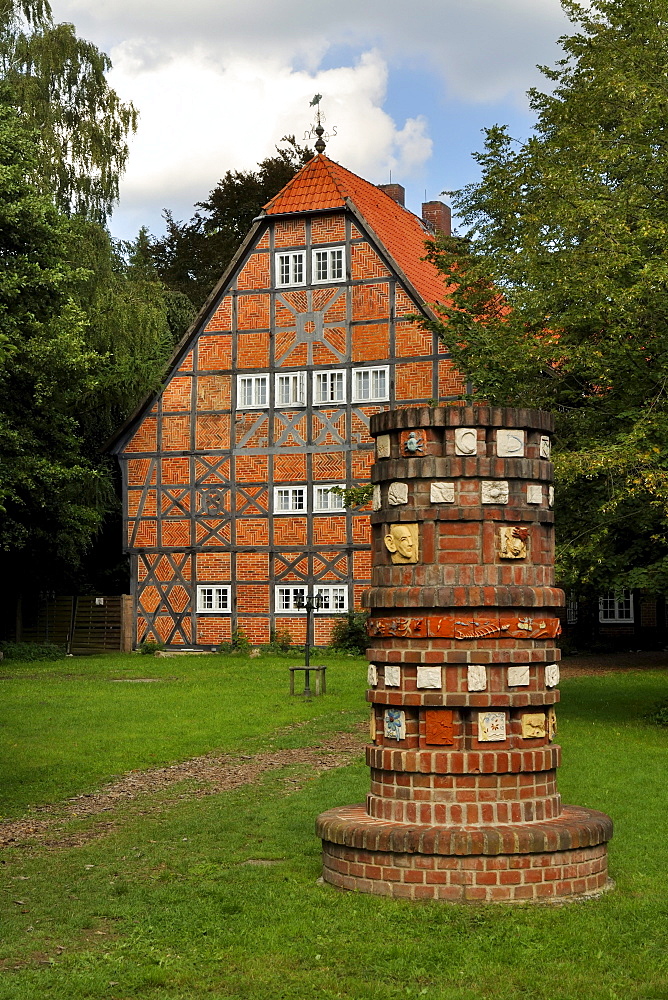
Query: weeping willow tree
x,y
58,83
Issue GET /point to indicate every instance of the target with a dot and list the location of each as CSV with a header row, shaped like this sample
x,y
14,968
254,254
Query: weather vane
x,y
317,130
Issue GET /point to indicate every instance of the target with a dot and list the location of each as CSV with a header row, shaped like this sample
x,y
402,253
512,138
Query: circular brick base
x,y
563,859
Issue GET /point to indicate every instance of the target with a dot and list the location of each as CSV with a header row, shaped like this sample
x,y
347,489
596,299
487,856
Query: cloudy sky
x,y
407,87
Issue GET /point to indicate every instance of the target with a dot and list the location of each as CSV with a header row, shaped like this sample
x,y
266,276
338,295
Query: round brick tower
x,y
463,672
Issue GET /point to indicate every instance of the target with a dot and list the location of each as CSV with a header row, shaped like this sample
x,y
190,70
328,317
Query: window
x,y
290,268
328,265
289,498
370,384
616,607
571,610
329,387
252,391
324,499
288,599
213,600
291,389
333,600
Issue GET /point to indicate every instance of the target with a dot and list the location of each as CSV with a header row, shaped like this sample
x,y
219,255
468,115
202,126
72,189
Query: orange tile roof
x,y
323,184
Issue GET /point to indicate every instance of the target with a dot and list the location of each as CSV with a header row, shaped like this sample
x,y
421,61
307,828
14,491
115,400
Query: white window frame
x,y
330,374
279,599
294,270
328,591
295,492
220,594
256,381
616,607
324,488
374,395
297,388
324,261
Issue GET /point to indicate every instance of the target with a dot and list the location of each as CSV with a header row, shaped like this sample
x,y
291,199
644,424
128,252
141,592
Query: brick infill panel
x,y
576,827
454,762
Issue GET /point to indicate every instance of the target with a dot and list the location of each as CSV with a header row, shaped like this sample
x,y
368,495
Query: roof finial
x,y
317,130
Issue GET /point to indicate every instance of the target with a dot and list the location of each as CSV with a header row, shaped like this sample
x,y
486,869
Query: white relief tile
x,y
510,444
429,677
545,446
375,498
518,676
383,446
534,725
466,441
550,496
397,494
551,675
494,491
395,724
392,676
372,675
534,493
442,492
491,726
476,677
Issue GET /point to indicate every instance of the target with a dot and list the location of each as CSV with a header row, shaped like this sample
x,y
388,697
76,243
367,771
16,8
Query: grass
x,y
167,905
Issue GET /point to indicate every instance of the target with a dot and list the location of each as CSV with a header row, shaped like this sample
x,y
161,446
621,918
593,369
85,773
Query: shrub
x,y
149,647
30,651
659,713
349,632
240,641
280,641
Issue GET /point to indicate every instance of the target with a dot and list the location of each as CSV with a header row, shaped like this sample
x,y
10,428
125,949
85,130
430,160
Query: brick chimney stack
x,y
437,215
396,191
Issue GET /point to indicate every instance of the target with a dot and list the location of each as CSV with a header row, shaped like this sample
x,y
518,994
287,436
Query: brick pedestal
x,y
463,673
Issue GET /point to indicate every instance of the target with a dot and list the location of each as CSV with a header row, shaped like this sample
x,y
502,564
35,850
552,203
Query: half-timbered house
x,y
227,471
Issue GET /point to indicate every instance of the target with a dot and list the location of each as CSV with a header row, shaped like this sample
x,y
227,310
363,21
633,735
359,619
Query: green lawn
x,y
167,905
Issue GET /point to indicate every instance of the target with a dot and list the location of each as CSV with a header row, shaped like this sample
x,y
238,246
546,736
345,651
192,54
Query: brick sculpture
x,y
463,674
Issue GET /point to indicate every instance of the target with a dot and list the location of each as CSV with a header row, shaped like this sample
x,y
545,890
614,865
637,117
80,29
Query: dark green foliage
x,y
659,713
280,641
350,633
150,647
28,652
193,255
559,295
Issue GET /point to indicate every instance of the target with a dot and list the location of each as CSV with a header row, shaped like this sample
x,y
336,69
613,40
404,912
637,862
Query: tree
x,y
559,291
193,255
52,498
58,82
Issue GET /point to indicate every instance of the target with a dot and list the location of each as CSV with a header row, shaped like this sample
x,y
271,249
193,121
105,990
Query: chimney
x,y
396,191
437,215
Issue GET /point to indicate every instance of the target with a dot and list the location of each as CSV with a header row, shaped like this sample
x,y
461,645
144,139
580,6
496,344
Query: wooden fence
x,y
83,624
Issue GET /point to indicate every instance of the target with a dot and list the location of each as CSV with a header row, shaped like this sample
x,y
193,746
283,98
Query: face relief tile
x,y
429,677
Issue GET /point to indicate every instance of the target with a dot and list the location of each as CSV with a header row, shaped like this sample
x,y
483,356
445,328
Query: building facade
x,y
229,518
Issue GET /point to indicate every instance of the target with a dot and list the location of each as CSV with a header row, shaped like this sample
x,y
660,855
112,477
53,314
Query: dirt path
x,y
45,826
589,664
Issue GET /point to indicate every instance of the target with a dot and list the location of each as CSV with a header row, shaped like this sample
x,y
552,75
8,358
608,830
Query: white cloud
x,y
200,118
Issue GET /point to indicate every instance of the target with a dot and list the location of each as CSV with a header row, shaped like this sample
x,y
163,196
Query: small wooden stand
x,y
320,680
